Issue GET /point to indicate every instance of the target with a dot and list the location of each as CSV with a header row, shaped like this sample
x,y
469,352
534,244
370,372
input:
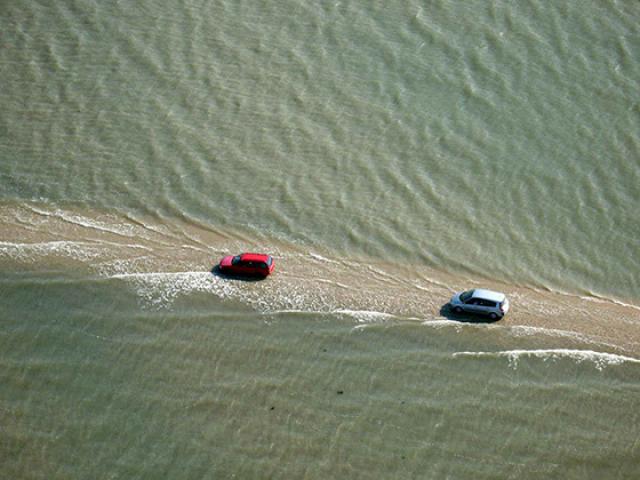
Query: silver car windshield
x,y
466,295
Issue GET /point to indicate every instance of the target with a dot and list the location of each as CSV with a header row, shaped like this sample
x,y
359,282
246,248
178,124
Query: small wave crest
x,y
599,359
366,316
32,251
114,225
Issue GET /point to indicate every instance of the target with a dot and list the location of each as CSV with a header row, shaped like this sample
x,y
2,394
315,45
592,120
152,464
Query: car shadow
x,y
215,271
465,317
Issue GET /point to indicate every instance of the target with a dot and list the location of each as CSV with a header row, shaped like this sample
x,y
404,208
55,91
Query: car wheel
x,y
457,310
493,316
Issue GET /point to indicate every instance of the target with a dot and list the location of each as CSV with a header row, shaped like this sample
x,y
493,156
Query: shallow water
x,y
211,388
387,156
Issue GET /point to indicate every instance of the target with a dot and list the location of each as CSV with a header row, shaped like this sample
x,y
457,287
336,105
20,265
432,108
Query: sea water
x,y
387,154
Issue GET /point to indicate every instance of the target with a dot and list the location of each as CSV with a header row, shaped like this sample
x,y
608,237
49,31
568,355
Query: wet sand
x,y
167,259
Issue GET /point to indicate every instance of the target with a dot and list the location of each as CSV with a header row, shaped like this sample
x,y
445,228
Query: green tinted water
x,y
386,155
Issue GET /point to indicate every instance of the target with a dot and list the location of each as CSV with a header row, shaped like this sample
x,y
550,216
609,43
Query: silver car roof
x,y
488,295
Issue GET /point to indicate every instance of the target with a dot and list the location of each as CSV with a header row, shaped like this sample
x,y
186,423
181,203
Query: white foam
x,y
160,289
524,330
605,300
599,359
128,245
592,297
117,228
332,282
291,311
362,326
437,283
442,323
366,316
30,251
320,258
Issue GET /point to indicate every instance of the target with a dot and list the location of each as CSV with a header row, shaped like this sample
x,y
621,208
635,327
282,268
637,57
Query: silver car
x,y
480,300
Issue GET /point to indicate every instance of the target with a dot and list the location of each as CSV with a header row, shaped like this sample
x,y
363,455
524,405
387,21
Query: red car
x,y
247,265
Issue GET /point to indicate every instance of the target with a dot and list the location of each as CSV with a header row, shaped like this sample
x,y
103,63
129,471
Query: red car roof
x,y
254,257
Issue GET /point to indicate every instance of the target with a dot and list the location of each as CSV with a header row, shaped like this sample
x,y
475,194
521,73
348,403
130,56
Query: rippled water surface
x,y
387,154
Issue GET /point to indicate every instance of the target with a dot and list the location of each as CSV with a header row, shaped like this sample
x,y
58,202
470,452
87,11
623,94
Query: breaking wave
x,y
599,359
